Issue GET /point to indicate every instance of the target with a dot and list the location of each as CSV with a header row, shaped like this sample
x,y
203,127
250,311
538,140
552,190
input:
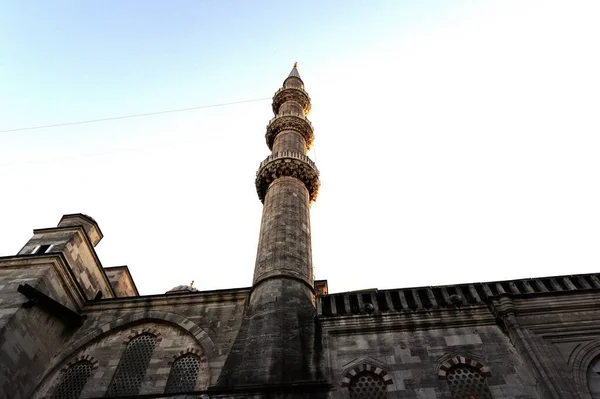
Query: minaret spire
x,y
294,71
276,343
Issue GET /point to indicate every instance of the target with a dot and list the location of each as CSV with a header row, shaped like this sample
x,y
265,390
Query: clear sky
x,y
457,141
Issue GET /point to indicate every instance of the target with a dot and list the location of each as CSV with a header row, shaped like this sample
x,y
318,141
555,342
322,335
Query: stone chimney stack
x,y
276,343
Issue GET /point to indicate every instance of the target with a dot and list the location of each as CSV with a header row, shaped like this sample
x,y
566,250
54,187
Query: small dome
x,y
180,289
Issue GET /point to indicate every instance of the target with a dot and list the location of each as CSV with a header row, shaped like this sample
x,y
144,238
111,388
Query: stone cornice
x,y
125,268
213,297
87,218
557,302
59,263
290,164
291,94
290,121
81,231
406,321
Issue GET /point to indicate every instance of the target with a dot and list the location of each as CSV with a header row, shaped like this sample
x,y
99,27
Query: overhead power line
x,y
133,115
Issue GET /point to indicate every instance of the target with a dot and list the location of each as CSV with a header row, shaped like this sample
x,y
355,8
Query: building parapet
x,y
290,113
451,296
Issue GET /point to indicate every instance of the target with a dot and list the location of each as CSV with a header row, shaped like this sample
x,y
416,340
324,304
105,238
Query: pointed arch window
x,y
367,385
73,381
184,374
132,367
593,377
466,382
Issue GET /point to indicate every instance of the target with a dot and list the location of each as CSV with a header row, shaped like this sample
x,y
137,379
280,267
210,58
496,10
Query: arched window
x,y
367,385
467,382
73,381
184,374
593,378
132,367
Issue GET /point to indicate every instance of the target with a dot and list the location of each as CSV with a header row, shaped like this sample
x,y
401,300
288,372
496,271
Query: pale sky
x,y
457,141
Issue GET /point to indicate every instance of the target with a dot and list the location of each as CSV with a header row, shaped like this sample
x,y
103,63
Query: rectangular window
x,y
42,249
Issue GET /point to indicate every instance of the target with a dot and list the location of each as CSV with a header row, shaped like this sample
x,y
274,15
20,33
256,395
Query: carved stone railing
x,y
290,121
290,164
451,296
291,94
298,114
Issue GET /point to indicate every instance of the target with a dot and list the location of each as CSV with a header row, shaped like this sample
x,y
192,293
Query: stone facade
x,y
71,328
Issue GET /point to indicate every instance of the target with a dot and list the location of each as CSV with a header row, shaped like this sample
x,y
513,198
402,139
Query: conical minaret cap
x,y
295,72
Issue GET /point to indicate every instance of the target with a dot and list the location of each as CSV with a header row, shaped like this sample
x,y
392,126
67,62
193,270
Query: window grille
x,y
132,367
184,374
467,383
367,385
73,381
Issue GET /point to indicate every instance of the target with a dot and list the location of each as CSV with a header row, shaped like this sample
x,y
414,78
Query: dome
x,y
181,289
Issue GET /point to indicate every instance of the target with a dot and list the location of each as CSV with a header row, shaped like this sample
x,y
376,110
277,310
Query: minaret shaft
x,y
289,140
284,247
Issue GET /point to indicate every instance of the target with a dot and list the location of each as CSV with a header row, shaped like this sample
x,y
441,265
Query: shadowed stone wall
x,y
106,354
276,343
29,336
36,345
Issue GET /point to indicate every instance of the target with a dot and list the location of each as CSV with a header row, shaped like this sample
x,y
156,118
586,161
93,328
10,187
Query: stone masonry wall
x,y
121,281
106,354
29,337
561,333
412,360
207,322
79,254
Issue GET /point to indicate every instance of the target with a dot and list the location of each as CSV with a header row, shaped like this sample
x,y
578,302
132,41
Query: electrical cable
x,y
133,115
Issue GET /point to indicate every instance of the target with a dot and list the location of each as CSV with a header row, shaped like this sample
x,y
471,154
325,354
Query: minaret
x,y
276,343
287,182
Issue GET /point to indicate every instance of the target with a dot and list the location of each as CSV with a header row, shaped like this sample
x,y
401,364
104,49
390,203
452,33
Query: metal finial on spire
x,y
296,64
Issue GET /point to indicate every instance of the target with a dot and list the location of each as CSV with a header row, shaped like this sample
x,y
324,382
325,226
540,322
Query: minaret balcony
x,y
281,164
291,94
295,121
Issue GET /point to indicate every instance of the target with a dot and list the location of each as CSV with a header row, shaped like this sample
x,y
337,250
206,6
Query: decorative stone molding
x,y
193,351
290,164
81,358
291,94
364,366
446,365
116,325
136,333
290,121
580,360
